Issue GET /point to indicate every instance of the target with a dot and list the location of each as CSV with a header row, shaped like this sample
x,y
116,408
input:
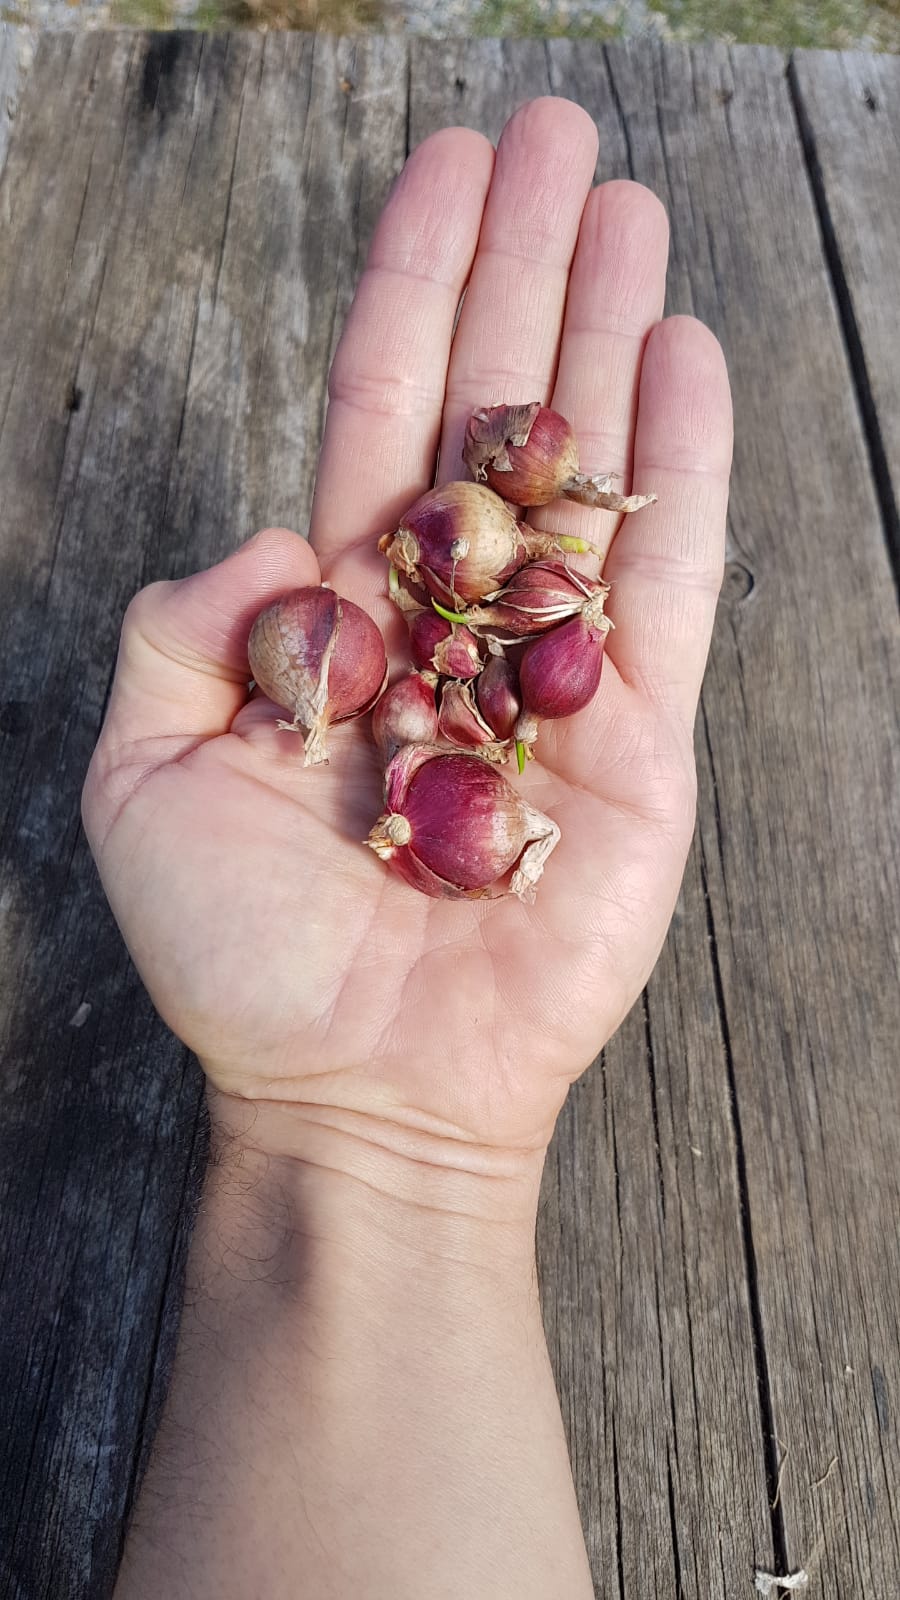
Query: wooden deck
x,y
182,220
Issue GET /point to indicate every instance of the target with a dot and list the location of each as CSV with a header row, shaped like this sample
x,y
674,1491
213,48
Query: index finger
x,y
386,390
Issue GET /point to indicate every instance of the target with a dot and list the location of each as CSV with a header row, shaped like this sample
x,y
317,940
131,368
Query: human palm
x,y
284,953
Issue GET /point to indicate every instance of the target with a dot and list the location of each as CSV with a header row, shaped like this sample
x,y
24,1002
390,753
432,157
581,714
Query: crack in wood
x,y
868,411
617,103
764,1387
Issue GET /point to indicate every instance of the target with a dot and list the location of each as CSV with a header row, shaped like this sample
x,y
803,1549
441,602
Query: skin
x,y
385,1070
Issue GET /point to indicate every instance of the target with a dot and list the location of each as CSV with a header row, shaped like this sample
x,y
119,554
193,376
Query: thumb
x,y
182,671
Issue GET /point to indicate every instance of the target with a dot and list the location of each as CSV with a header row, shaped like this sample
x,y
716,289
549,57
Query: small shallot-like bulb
x,y
321,658
560,672
536,598
445,647
453,827
529,455
460,722
497,693
460,541
406,714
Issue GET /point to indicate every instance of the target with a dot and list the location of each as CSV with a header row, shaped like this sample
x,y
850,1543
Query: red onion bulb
x,y
529,455
321,658
446,647
559,673
460,722
454,827
406,714
537,597
461,541
498,696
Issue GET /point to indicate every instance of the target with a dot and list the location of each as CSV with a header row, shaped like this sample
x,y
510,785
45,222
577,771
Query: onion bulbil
x,y
453,827
529,455
321,658
406,714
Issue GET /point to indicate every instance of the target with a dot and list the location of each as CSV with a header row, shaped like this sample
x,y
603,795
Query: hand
x,y
307,978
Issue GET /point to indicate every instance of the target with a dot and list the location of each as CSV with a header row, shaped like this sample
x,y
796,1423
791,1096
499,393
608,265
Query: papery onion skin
x,y
460,541
537,597
454,827
445,647
529,455
524,453
320,657
460,722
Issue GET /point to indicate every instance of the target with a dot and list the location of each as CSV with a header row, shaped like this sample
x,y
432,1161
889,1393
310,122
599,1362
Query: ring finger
x,y
616,295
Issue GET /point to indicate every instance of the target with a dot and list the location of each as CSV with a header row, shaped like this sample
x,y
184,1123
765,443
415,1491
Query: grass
x,y
332,16
824,24
529,19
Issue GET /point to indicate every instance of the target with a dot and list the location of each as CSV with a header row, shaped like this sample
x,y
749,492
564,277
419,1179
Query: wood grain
x,y
795,868
709,1204
185,218
16,55
848,107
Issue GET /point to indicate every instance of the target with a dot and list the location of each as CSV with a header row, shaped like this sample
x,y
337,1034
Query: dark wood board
x,y
184,221
185,215
848,106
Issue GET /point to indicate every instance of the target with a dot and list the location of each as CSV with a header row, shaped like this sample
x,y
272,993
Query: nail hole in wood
x,y
738,583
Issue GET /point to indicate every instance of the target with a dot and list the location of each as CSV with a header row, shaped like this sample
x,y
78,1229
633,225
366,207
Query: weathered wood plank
x,y
705,1238
849,111
473,83
185,216
16,56
801,894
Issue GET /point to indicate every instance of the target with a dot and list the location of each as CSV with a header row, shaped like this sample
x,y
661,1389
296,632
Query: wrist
x,y
314,1181
363,1394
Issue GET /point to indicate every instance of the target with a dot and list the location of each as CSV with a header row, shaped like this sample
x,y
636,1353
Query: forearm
x,y
363,1403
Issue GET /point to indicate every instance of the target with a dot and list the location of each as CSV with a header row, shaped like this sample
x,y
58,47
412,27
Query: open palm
x,y
283,952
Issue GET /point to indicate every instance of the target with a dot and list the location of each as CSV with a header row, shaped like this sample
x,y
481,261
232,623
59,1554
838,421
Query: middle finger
x,y
507,341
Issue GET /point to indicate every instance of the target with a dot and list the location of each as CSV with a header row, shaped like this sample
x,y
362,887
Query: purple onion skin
x,y
406,714
459,721
288,641
468,511
426,630
358,666
540,467
498,696
536,598
467,826
559,673
444,647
